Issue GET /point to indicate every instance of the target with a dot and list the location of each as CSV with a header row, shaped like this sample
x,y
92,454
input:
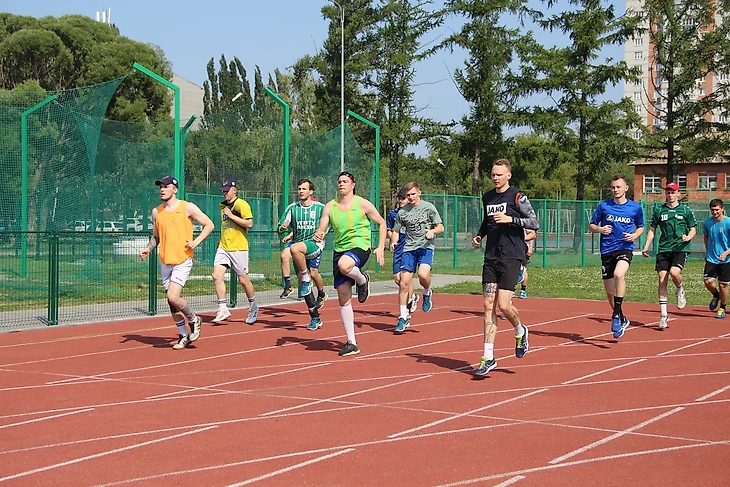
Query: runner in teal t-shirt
x,y
717,266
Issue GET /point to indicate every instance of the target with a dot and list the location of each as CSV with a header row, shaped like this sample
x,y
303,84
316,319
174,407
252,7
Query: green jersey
x,y
672,224
303,220
351,227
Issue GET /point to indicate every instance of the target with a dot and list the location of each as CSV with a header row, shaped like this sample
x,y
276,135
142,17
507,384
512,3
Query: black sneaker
x,y
521,344
321,299
349,349
286,293
363,292
485,366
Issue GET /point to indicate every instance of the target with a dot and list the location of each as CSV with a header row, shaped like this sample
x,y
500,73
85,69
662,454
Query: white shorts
x,y
237,260
176,273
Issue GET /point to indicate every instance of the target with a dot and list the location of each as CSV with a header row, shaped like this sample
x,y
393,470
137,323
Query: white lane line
x,y
45,418
212,387
713,394
355,393
684,347
461,415
571,381
293,467
102,454
511,481
614,436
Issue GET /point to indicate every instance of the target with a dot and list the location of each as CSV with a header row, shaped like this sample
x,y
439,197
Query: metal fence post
x,y
544,234
52,278
583,233
152,282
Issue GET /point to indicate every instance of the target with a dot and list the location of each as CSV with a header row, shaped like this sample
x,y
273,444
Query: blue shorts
x,y
397,256
414,258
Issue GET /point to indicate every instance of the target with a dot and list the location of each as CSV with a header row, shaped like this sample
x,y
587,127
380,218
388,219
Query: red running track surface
x,y
273,403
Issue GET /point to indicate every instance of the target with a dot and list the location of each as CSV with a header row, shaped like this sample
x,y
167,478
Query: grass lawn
x,y
586,283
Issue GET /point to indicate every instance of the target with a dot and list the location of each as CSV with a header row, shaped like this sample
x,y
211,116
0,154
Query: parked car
x,y
134,225
80,226
109,227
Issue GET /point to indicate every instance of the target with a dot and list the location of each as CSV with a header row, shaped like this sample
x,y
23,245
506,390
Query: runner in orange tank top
x,y
173,231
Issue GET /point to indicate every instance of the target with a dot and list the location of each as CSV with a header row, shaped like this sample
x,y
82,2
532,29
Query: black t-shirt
x,y
504,240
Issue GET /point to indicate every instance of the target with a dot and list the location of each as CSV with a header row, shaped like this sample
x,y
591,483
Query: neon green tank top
x,y
351,227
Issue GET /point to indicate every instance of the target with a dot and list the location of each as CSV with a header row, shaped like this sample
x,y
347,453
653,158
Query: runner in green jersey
x,y
677,224
302,219
350,217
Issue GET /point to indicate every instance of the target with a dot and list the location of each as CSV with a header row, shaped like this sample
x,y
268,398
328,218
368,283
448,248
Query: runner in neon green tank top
x,y
350,217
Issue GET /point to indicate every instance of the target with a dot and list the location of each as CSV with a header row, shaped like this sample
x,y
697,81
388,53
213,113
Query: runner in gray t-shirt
x,y
422,223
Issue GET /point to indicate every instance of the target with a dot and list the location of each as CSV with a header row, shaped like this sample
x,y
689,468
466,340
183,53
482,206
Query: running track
x,y
273,404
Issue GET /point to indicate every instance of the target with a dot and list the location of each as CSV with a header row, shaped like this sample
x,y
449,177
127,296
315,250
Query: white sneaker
x,y
222,315
253,314
663,322
195,328
681,298
182,342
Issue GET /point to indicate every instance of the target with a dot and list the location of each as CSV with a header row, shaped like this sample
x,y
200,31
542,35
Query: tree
x,y
590,131
690,42
481,81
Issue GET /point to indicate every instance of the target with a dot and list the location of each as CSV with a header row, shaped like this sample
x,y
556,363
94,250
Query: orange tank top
x,y
174,229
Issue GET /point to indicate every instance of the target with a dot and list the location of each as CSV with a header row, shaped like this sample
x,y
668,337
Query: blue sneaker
x,y
523,294
402,325
720,313
485,366
714,303
427,304
305,289
619,325
315,324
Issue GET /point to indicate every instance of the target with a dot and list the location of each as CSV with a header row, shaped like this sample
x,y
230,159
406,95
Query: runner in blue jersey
x,y
620,222
398,249
717,246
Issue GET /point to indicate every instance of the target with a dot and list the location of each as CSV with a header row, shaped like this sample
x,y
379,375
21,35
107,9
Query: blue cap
x,y
228,184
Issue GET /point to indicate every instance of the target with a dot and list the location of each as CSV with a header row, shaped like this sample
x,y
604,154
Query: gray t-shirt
x,y
417,220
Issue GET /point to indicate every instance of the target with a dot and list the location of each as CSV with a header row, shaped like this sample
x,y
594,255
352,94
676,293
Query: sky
x,y
271,34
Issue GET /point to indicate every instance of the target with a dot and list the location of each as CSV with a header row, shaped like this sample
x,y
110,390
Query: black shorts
x,y
360,257
667,260
721,272
502,272
609,261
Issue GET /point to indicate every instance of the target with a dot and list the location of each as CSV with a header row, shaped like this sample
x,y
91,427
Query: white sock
x,y
305,276
663,307
357,275
489,350
222,305
427,291
348,320
519,330
182,329
404,311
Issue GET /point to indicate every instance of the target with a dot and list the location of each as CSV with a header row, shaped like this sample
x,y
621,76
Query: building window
x,y
652,184
700,92
722,118
707,180
639,55
638,41
637,134
727,180
724,76
682,182
637,95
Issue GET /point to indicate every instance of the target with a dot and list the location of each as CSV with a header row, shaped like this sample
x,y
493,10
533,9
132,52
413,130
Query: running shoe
x,y
363,291
253,314
315,324
222,315
305,289
485,366
195,328
521,344
523,294
619,325
720,313
286,293
663,320
321,299
349,349
403,323
182,342
413,303
427,303
714,303
681,298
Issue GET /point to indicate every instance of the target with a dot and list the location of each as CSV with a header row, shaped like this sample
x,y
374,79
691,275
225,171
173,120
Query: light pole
x,y
342,85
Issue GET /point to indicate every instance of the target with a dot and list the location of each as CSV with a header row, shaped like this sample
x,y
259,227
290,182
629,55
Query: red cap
x,y
673,186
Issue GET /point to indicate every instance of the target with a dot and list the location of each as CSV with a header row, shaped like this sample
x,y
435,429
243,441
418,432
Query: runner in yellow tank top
x,y
173,231
350,217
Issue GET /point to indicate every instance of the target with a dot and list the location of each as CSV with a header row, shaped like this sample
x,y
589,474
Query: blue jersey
x,y
718,239
389,223
623,218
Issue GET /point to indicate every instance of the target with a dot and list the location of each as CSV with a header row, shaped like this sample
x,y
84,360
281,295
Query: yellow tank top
x,y
174,229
